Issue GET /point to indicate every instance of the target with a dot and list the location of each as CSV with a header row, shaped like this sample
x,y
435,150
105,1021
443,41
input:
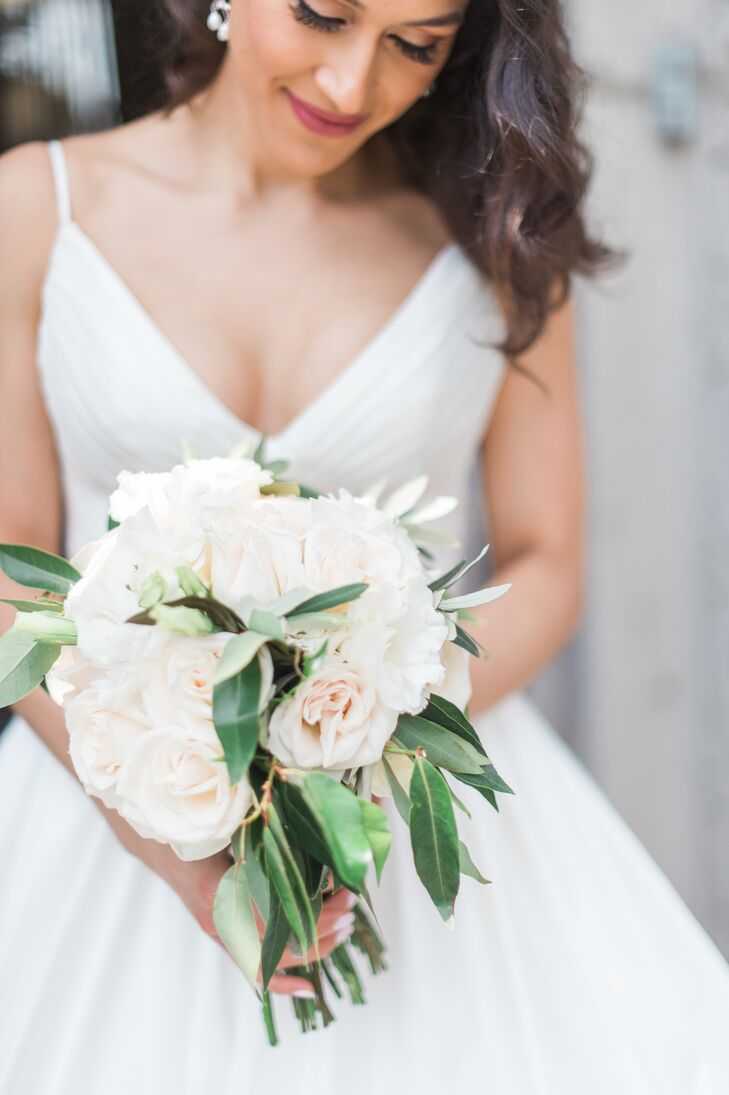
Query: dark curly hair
x,y
495,146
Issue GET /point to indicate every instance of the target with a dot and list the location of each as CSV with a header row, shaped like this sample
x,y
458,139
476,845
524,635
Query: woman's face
x,y
366,58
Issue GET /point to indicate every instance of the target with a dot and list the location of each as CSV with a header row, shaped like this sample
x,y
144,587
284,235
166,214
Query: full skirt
x,y
577,971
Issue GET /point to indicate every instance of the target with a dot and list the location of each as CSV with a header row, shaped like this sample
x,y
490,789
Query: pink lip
x,y
322,121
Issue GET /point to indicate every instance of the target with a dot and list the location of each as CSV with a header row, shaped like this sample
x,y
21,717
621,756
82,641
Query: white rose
x,y
138,490
456,685
69,675
116,568
401,645
178,677
334,720
101,736
202,487
174,787
350,540
257,553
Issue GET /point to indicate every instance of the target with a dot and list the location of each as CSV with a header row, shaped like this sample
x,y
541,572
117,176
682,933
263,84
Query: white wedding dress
x,y
579,971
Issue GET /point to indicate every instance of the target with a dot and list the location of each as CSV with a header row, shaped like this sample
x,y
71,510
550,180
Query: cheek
x,y
266,42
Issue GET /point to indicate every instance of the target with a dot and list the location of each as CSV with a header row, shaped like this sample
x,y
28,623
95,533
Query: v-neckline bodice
x,y
71,231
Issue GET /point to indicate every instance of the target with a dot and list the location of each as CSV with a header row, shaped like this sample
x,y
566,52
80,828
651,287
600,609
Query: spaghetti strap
x,y
60,179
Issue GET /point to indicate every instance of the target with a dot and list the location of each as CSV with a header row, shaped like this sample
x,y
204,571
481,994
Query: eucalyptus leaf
x,y
275,938
330,599
235,921
445,713
266,623
444,748
303,824
401,500
291,887
23,665
467,866
435,537
458,571
377,831
489,779
471,600
238,653
40,605
338,815
399,796
29,566
442,581
235,714
434,836
464,640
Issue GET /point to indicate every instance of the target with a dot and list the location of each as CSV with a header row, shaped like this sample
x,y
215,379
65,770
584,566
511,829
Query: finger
x,y
288,985
342,899
327,943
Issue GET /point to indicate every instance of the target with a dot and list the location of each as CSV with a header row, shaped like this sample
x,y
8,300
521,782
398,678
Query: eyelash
x,y
425,55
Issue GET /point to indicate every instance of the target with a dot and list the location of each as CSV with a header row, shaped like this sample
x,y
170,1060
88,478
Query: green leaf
x,y
40,605
464,640
266,623
235,714
467,866
337,813
111,523
288,882
488,779
444,748
29,566
400,798
457,802
308,492
333,597
434,836
274,939
442,581
23,665
235,921
239,652
303,823
377,831
458,571
479,597
444,713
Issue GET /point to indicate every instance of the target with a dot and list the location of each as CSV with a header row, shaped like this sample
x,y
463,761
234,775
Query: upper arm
x,y
532,456
30,501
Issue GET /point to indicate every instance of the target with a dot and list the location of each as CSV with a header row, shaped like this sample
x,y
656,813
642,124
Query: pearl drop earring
x,y
218,17
428,91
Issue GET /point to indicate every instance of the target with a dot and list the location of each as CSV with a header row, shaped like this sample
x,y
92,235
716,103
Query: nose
x,y
347,75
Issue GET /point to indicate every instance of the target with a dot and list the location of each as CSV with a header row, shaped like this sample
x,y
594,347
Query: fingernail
x,y
341,936
351,899
304,994
344,921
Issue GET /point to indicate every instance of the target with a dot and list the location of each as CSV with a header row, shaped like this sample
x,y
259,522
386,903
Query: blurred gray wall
x,y
643,692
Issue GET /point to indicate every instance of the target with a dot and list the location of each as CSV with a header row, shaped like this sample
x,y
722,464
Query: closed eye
x,y
305,14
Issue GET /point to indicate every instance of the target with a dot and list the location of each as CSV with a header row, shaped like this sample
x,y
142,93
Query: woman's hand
x,y
195,882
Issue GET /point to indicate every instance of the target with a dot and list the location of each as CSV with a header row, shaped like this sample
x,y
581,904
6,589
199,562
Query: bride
x,y
351,228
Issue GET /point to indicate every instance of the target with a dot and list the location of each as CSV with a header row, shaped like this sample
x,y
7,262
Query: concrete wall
x,y
643,692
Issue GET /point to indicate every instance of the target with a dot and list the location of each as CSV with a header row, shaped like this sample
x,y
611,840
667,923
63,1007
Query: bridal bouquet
x,y
245,663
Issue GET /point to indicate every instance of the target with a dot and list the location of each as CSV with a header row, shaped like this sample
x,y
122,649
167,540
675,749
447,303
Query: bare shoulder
x,y
28,212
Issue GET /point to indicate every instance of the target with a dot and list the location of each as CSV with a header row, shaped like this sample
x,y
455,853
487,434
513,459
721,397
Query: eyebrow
x,y
448,19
